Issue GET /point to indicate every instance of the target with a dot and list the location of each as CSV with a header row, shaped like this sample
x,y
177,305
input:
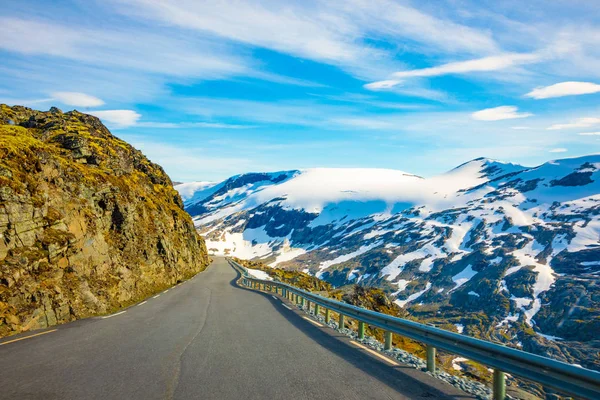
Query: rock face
x,y
87,223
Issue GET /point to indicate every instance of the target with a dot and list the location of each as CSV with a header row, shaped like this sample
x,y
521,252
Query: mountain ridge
x,y
497,248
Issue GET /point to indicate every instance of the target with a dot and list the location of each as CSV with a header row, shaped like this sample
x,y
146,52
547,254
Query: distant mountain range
x,y
499,250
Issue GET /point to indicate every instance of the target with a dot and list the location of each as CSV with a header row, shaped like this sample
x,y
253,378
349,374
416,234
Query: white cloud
x,y
365,123
175,125
564,89
485,64
382,85
589,134
77,99
400,21
338,33
117,118
492,63
123,48
558,150
578,123
499,113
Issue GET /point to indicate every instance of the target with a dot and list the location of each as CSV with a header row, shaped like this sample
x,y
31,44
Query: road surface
x,y
204,339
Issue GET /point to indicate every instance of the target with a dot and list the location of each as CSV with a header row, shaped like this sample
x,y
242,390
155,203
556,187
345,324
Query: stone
x,y
78,239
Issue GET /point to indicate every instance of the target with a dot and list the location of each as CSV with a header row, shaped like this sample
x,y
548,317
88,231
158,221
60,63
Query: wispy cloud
x,y
589,134
117,118
294,71
183,125
578,123
338,33
77,99
558,150
364,123
120,47
485,64
499,113
492,63
564,89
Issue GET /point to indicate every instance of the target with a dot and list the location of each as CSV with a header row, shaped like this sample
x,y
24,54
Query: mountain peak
x,y
486,168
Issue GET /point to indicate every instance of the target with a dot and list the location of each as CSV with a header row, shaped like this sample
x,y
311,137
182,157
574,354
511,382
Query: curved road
x,y
204,339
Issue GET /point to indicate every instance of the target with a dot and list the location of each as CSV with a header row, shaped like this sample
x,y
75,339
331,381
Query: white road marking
x,y
313,322
110,316
274,297
166,291
375,353
27,337
143,302
158,295
286,306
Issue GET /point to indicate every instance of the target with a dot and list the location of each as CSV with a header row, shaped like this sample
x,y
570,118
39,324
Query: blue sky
x,y
209,89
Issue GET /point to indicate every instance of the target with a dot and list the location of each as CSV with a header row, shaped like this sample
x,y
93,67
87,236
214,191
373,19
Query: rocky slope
x,y
87,223
501,251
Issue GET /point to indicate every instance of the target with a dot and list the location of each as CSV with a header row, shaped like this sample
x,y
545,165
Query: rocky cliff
x,y
87,223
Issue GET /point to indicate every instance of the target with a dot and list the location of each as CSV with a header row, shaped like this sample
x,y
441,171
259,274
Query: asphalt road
x,y
204,339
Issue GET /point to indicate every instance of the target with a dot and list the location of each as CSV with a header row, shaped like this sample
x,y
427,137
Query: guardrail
x,y
558,375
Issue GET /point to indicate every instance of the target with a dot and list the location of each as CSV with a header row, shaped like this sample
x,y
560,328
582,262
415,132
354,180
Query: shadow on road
x,y
403,379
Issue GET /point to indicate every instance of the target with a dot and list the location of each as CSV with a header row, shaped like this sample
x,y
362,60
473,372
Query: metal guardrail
x,y
558,375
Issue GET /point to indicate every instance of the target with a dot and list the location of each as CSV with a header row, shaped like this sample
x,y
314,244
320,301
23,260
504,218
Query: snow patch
x,y
463,277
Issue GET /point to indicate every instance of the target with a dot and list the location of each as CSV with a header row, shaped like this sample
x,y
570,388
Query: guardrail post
x,y
327,316
499,385
361,330
341,324
317,309
430,358
388,340
308,305
302,301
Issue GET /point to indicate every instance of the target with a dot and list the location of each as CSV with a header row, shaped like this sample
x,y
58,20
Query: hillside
x,y
87,223
501,251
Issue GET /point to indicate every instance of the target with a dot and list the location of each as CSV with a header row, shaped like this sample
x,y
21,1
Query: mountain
x,y
87,223
503,251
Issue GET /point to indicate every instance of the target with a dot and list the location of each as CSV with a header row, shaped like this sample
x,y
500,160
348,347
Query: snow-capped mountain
x,y
497,248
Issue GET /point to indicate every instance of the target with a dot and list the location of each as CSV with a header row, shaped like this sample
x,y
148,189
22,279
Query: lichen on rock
x,y
87,223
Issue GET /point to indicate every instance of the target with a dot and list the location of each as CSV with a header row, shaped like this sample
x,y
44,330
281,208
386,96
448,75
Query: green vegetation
x,y
88,224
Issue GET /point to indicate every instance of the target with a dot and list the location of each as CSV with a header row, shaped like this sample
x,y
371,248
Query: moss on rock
x,y
87,223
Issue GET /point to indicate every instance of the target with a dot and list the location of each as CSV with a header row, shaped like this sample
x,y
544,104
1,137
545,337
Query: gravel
x,y
479,390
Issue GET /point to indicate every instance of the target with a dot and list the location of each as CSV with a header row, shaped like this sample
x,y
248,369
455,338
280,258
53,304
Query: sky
x,y
209,89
